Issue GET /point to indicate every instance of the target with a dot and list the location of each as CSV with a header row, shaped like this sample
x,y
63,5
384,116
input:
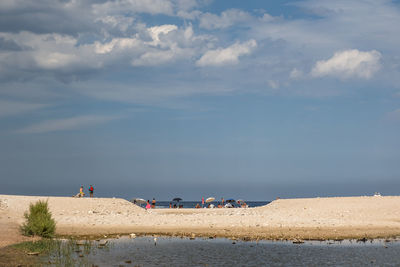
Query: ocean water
x,y
192,204
144,251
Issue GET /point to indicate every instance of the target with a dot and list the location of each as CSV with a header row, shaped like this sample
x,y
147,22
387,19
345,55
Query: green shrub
x,y
39,221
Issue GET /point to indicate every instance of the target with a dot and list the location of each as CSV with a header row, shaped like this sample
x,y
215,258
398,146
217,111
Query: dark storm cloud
x,y
38,22
46,17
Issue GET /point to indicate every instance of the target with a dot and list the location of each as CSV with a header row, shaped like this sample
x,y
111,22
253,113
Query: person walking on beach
x,y
148,205
91,190
153,203
222,201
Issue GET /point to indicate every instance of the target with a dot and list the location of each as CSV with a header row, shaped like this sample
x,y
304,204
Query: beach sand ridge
x,y
307,218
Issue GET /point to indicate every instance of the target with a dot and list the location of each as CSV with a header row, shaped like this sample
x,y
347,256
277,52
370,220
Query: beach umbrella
x,y
230,200
210,199
177,199
139,200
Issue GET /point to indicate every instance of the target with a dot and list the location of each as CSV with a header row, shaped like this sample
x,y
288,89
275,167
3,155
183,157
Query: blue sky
x,y
192,98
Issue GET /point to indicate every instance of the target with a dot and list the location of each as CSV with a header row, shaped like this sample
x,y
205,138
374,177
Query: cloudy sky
x,y
190,98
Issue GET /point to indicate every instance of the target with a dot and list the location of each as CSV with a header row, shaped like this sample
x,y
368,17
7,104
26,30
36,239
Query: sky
x,y
196,98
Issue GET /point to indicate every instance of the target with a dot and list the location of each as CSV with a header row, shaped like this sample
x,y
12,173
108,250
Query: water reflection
x,y
144,251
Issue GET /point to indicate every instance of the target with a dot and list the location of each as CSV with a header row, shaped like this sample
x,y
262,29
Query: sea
x,y
192,204
168,251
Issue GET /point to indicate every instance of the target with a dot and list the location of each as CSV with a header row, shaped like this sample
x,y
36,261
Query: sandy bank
x,y
316,218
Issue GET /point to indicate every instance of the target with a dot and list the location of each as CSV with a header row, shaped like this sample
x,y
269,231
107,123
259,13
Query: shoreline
x,y
339,218
281,234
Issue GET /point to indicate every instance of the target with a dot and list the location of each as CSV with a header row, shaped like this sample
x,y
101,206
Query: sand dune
x,y
314,218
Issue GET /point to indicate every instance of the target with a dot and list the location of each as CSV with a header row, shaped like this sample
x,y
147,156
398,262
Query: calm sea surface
x,y
192,204
142,251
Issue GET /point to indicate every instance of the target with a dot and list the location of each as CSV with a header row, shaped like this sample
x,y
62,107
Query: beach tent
x,y
230,200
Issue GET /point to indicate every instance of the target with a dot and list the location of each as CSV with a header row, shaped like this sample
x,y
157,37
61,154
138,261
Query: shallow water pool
x,y
145,251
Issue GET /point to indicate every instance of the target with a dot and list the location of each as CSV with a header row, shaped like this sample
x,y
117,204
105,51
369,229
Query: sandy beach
x,y
312,218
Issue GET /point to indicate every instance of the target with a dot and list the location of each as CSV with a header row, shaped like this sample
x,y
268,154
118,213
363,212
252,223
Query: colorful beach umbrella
x,y
177,199
210,199
138,201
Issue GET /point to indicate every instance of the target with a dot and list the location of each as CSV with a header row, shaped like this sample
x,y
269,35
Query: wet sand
x,y
313,218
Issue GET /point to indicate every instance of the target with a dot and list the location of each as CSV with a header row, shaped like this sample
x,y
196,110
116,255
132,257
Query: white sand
x,y
316,218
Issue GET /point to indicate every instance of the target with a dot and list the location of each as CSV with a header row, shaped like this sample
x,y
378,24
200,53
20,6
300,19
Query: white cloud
x,y
110,36
156,31
65,55
225,20
229,55
49,52
349,63
158,57
267,18
66,124
55,60
117,44
8,108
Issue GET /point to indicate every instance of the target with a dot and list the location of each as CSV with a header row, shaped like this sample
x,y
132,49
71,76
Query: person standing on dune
x,y
81,194
91,189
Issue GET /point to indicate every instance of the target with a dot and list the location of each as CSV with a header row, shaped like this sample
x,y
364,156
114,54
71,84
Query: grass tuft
x,y
39,221
41,246
52,252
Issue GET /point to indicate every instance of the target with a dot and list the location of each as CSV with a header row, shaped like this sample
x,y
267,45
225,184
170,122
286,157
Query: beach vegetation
x,y
39,221
56,252
42,246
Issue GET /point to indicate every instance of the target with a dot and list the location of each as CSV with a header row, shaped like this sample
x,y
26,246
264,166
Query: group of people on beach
x,y
175,206
82,194
153,204
222,204
219,205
